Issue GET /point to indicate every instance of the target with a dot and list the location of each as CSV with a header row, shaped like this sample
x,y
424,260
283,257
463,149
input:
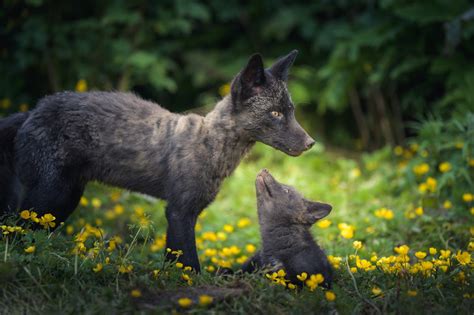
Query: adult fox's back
x,y
120,139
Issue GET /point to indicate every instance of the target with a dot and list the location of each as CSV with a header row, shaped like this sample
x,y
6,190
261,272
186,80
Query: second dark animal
x,y
285,218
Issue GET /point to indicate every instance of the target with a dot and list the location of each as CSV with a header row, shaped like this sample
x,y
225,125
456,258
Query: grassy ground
x,y
108,257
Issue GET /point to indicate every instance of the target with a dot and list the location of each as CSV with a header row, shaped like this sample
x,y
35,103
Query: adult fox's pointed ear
x,y
253,75
318,210
281,67
250,80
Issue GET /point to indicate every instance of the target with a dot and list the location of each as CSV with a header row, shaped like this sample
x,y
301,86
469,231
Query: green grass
x,y
55,279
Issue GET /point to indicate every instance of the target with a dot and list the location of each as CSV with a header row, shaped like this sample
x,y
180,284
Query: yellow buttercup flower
x,y
447,204
421,169
330,296
244,222
96,203
205,300
81,85
250,248
384,213
467,197
402,250
228,228
445,167
136,293
420,255
464,258
419,211
302,277
98,267
323,224
347,231
30,249
185,302
376,291
357,245
25,214
224,89
412,293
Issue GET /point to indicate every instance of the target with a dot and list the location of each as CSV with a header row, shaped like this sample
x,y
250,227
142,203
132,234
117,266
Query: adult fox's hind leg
x,y
54,193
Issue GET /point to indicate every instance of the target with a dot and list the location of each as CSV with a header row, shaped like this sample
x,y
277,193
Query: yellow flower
x,y
125,269
224,89
185,302
420,255
244,222
118,209
433,251
347,231
250,248
302,277
96,203
330,296
81,85
402,250
467,197
291,286
471,162
30,249
6,103
421,169
23,107
419,211
412,293
376,291
384,213
431,183
179,265
353,269
427,265
447,204
445,167
98,267
470,247
357,244
136,293
445,254
205,300
355,173
323,224
25,214
464,258
228,228
84,202
47,220
459,145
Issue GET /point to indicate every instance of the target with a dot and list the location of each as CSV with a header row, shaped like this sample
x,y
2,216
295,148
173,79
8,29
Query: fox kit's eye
x,y
277,114
286,190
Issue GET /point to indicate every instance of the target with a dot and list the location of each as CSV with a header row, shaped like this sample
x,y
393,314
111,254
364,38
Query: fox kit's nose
x,y
309,143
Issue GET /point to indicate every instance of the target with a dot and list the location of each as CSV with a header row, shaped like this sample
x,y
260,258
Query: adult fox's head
x,y
280,204
263,105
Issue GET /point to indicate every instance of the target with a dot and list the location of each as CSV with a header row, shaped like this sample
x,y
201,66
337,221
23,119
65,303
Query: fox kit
x,y
49,154
285,218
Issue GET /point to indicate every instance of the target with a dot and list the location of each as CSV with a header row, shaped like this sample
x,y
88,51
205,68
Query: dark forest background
x,y
366,70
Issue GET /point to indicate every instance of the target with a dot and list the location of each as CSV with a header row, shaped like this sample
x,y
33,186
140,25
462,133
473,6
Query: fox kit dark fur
x,y
285,218
49,154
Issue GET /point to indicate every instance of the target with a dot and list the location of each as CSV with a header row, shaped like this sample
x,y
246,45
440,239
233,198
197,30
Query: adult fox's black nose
x,y
309,143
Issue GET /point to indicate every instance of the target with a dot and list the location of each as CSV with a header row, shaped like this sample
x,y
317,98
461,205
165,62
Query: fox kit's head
x,y
263,106
281,204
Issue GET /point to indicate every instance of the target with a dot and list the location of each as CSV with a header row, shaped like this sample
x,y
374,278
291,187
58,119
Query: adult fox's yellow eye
x,y
277,114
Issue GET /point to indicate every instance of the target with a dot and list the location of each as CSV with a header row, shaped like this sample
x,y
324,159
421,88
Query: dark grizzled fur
x,y
285,218
123,140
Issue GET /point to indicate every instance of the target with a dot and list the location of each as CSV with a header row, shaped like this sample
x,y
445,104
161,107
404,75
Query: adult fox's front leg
x,y
180,235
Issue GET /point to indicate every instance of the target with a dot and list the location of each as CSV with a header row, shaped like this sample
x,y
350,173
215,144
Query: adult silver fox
x,y
49,154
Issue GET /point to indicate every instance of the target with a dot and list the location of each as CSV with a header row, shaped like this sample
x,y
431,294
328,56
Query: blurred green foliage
x,y
365,67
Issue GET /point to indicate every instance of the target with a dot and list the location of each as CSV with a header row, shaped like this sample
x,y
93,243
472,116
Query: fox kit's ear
x,y
318,209
281,67
253,75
